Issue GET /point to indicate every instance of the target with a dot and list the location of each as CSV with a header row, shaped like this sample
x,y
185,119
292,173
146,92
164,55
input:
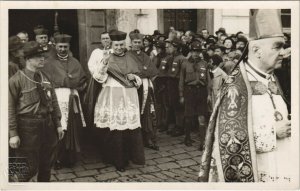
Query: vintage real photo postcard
x,y
150,95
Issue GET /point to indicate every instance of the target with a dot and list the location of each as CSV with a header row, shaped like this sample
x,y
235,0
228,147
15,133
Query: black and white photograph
x,y
191,93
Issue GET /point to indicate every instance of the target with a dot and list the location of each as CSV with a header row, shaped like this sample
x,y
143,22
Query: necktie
x,y
42,93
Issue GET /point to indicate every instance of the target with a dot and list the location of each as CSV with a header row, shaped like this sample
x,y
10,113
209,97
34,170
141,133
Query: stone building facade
x,y
86,25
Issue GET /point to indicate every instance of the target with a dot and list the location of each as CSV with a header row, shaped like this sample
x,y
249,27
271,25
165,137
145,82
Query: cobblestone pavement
x,y
174,162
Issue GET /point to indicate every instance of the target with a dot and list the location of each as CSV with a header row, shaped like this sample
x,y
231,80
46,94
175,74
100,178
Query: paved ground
x,y
174,162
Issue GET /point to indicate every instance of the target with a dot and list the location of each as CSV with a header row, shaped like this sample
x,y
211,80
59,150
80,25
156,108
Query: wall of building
x,y
225,18
143,19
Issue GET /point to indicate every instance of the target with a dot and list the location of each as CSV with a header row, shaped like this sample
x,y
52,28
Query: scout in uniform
x,y
193,92
160,84
34,117
174,109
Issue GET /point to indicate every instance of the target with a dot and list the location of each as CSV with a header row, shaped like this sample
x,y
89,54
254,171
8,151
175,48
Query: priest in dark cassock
x,y
148,72
249,133
116,108
69,79
41,36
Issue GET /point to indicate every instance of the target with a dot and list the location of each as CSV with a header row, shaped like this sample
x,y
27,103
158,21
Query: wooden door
x,y
91,24
184,19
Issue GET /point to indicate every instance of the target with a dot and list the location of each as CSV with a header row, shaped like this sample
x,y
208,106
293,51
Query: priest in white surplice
x,y
117,111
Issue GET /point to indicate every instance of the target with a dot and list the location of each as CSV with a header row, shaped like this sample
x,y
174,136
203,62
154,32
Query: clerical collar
x,y
258,71
63,57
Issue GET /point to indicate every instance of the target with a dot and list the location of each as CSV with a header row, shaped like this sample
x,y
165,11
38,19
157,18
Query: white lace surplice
x,y
272,153
116,107
63,95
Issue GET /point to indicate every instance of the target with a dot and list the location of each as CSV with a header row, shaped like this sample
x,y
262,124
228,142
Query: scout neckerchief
x,y
42,86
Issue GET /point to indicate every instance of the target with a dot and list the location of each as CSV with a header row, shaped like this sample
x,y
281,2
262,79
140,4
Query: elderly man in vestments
x,y
248,138
69,79
116,111
148,72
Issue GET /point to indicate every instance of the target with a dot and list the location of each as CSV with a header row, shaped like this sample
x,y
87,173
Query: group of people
x,y
173,83
45,114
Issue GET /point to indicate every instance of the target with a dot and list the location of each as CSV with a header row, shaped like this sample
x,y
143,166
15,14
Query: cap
x,y
196,45
265,23
156,32
116,35
162,37
62,38
212,37
229,38
160,44
222,30
15,43
149,38
32,48
134,35
40,30
175,42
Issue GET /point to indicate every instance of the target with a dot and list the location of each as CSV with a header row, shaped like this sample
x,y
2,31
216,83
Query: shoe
x,y
57,165
154,147
121,169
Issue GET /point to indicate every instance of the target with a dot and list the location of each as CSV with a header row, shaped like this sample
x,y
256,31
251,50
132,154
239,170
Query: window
x,y
286,20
